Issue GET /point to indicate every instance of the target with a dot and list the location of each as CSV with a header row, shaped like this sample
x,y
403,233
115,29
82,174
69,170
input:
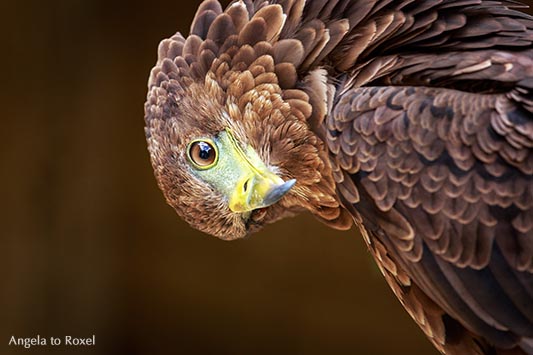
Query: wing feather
x,y
464,188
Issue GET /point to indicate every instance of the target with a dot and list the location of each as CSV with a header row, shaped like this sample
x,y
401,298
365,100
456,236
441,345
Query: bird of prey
x,y
411,120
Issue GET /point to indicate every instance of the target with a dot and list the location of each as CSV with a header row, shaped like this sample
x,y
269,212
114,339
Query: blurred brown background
x,y
89,245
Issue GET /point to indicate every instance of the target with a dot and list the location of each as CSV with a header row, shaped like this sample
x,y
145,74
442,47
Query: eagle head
x,y
228,131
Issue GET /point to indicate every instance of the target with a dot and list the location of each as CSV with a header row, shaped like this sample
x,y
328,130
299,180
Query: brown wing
x,y
444,188
438,167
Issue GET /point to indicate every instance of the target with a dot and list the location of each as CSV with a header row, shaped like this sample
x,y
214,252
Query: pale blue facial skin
x,y
241,176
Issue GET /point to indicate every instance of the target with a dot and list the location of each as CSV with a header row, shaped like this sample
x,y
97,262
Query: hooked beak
x,y
258,191
256,187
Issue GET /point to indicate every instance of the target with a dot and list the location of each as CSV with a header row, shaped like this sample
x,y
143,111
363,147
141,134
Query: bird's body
x,y
412,120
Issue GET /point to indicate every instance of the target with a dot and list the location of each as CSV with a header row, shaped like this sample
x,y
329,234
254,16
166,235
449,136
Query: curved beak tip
x,y
277,192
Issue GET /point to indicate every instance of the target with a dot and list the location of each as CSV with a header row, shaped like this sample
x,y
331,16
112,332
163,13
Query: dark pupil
x,y
205,151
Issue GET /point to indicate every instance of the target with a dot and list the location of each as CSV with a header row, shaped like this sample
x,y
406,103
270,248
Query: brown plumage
x,y
412,120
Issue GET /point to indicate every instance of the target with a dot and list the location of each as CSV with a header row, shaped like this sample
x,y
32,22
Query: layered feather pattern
x,y
412,120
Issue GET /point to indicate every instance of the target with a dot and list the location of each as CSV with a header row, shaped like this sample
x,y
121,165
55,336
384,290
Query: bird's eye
x,y
202,153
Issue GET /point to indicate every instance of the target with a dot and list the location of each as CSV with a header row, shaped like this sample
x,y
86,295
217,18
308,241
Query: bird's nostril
x,y
245,186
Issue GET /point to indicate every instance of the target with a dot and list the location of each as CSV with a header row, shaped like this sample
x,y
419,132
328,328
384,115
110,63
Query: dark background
x,y
89,245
